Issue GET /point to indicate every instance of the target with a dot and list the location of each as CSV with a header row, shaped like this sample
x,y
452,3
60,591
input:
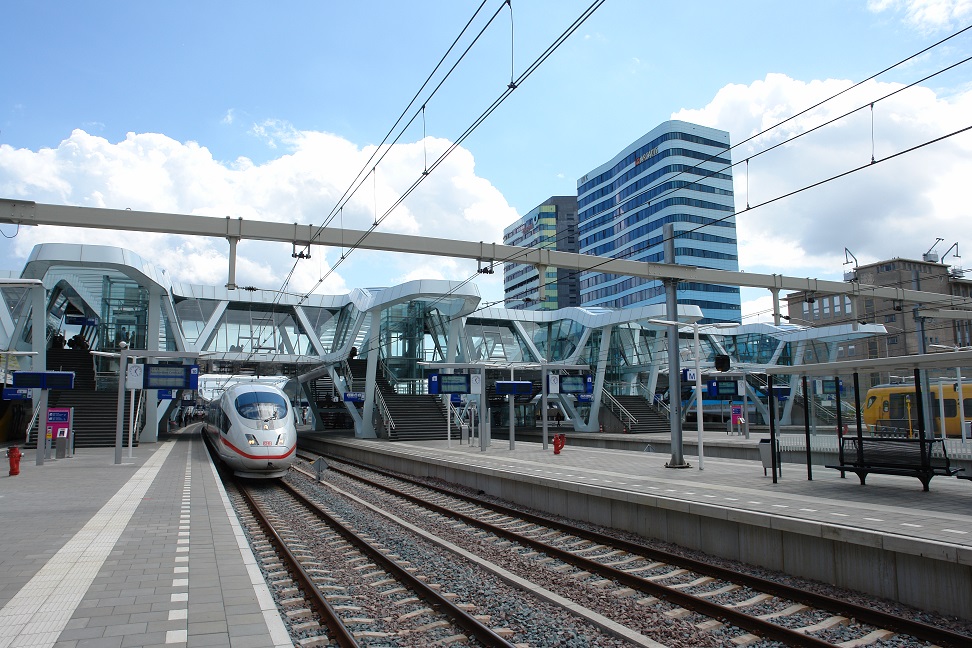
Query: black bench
x,y
921,458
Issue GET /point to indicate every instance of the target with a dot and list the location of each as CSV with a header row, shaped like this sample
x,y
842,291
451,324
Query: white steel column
x,y
602,357
150,433
38,340
368,416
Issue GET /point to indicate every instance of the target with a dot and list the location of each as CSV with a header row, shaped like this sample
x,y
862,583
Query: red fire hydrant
x,y
558,442
14,455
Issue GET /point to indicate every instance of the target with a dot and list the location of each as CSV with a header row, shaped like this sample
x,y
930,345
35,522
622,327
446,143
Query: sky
x,y
268,111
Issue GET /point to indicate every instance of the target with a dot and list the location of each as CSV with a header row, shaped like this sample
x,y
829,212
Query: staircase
x,y
95,412
649,420
417,417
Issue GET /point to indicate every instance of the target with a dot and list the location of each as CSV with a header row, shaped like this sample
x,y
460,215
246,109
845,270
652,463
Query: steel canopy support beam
x,y
30,213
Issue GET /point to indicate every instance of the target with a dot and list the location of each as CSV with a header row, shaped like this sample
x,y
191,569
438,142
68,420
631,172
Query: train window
x,y
950,410
870,401
261,405
967,406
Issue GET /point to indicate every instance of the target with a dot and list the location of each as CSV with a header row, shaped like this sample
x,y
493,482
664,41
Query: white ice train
x,y
253,430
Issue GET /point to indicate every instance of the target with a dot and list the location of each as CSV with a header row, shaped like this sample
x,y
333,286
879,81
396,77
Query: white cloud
x,y
927,15
895,208
152,172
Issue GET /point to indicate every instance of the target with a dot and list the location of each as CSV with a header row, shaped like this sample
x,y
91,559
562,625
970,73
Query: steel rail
x,y
877,618
337,631
462,618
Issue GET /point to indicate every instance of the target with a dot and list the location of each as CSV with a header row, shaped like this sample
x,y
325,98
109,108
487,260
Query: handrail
x,y
138,414
613,402
348,376
33,417
455,413
383,410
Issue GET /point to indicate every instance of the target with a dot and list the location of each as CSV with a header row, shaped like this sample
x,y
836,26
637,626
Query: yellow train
x,y
893,407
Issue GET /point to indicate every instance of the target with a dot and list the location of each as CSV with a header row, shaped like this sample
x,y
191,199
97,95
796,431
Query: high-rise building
x,y
678,173
551,225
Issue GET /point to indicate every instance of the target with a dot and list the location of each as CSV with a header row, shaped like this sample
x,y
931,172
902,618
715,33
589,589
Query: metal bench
x,y
921,458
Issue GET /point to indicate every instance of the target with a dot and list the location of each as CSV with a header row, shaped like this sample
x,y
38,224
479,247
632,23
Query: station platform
x,y
143,553
887,538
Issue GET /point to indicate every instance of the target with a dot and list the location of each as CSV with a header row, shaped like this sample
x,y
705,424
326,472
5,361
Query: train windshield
x,y
261,405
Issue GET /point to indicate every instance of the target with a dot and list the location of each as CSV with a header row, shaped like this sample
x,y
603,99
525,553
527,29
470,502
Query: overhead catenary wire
x,y
790,140
792,117
469,130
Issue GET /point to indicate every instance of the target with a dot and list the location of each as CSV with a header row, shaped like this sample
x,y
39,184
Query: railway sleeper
x,y
826,624
415,613
868,639
695,583
792,609
759,598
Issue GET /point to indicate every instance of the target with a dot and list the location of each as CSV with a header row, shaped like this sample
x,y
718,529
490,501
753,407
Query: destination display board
x,y
516,387
832,386
723,389
171,376
576,384
449,383
43,379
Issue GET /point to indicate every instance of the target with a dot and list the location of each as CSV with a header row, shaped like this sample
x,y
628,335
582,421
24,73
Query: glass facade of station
x,y
392,337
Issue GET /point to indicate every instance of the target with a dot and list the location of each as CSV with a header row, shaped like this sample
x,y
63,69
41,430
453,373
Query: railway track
x,y
701,596
341,586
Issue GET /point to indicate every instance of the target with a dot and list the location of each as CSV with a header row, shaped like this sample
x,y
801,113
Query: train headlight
x,y
281,439
252,440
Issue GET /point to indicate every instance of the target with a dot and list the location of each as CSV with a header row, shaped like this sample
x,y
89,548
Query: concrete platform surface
x,y
143,553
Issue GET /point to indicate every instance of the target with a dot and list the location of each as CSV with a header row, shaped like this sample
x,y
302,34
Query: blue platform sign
x,y
44,379
14,393
585,398
57,416
354,397
455,398
166,394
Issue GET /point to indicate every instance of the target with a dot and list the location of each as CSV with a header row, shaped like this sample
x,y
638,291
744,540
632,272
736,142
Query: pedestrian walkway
x,y
145,553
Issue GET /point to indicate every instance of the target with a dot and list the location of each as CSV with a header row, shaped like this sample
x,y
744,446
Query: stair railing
x,y
138,416
348,376
383,410
33,419
456,415
619,409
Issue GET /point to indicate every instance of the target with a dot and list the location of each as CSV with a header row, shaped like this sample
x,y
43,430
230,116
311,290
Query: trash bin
x,y
766,456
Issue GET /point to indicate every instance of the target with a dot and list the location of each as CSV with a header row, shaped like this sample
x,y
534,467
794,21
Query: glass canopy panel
x,y
257,329
322,322
193,315
17,300
753,348
496,341
555,340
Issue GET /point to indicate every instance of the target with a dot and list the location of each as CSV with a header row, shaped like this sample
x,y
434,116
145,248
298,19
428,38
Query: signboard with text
x,y
449,384
171,376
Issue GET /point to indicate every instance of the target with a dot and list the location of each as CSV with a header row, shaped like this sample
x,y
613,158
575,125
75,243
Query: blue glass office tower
x,y
678,173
